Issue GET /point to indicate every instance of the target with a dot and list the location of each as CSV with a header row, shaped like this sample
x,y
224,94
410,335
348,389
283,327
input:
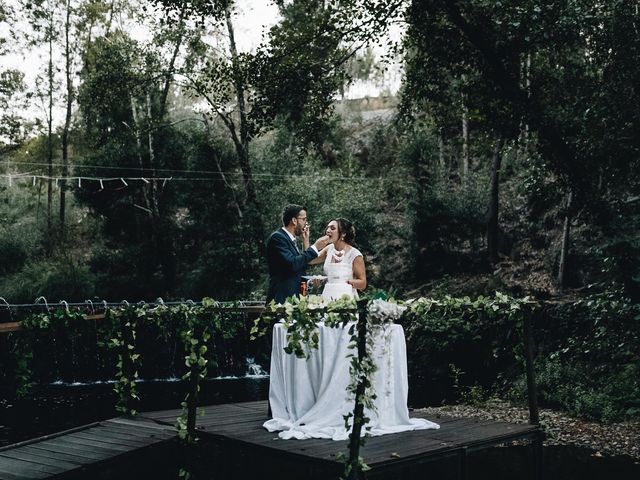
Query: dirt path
x,y
561,429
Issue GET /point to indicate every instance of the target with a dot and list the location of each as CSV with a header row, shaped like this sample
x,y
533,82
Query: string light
x,y
164,180
217,173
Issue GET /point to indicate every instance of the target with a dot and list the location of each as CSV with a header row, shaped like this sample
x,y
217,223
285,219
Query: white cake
x,y
337,286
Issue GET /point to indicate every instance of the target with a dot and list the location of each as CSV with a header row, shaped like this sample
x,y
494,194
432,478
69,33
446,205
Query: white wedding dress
x,y
338,267
309,398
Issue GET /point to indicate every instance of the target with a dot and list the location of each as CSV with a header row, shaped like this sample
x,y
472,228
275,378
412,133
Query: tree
x,y
570,49
13,125
43,17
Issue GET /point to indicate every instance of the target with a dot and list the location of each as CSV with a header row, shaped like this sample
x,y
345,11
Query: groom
x,y
285,261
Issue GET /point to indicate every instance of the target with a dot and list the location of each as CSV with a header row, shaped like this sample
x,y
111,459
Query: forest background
x,y
507,161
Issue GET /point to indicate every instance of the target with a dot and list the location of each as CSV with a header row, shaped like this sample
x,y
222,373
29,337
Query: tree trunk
x,y
465,137
242,143
153,187
525,84
136,130
242,147
50,138
161,225
221,173
172,63
441,156
492,216
67,122
564,250
111,12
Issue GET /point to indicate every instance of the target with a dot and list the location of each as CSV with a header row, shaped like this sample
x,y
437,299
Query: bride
x,y
343,263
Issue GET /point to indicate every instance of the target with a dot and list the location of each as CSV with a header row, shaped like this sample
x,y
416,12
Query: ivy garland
x,y
198,323
195,334
32,327
126,319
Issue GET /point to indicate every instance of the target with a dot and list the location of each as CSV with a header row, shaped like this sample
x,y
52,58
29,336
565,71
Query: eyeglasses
x,y
302,218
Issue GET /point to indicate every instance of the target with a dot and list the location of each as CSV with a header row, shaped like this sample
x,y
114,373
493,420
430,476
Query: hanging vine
x,y
124,341
32,328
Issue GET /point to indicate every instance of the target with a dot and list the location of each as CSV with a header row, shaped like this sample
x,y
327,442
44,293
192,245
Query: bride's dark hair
x,y
345,229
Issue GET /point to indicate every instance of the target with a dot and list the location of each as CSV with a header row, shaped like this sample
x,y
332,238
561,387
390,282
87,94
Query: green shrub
x,y
480,338
610,394
55,279
13,255
588,359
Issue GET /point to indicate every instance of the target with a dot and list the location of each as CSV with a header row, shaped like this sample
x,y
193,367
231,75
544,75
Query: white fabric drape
x,y
309,398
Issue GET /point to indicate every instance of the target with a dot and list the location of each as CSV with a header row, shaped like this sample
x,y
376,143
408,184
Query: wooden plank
x,y
47,437
22,467
70,449
19,454
237,415
114,434
39,452
378,449
221,410
241,424
94,447
142,423
104,437
7,327
8,475
222,422
139,433
235,411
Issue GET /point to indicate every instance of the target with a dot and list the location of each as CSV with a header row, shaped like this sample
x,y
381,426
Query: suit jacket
x,y
286,266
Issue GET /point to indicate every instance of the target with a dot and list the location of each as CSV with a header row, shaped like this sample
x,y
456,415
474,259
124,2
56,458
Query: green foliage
x,y
14,253
299,71
524,63
588,357
126,321
57,278
480,338
449,226
613,396
13,125
61,345
325,191
43,349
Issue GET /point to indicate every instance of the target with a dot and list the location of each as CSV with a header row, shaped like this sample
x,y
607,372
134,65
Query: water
x,y
59,406
254,370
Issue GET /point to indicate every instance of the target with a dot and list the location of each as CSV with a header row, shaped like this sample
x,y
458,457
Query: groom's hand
x,y
322,242
305,236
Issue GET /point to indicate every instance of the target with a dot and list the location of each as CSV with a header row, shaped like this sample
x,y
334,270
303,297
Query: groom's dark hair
x,y
291,211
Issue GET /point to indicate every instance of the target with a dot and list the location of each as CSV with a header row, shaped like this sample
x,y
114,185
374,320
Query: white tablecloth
x,y
309,397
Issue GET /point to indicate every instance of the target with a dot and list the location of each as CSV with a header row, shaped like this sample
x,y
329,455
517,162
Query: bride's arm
x,y
359,280
322,254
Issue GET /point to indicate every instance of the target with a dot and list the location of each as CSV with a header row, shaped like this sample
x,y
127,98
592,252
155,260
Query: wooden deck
x,y
234,428
75,452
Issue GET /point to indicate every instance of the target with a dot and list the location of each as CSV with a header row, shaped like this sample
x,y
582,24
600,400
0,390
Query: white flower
x,y
385,311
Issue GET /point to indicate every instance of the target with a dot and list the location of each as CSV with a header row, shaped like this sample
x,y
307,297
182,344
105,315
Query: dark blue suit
x,y
286,266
